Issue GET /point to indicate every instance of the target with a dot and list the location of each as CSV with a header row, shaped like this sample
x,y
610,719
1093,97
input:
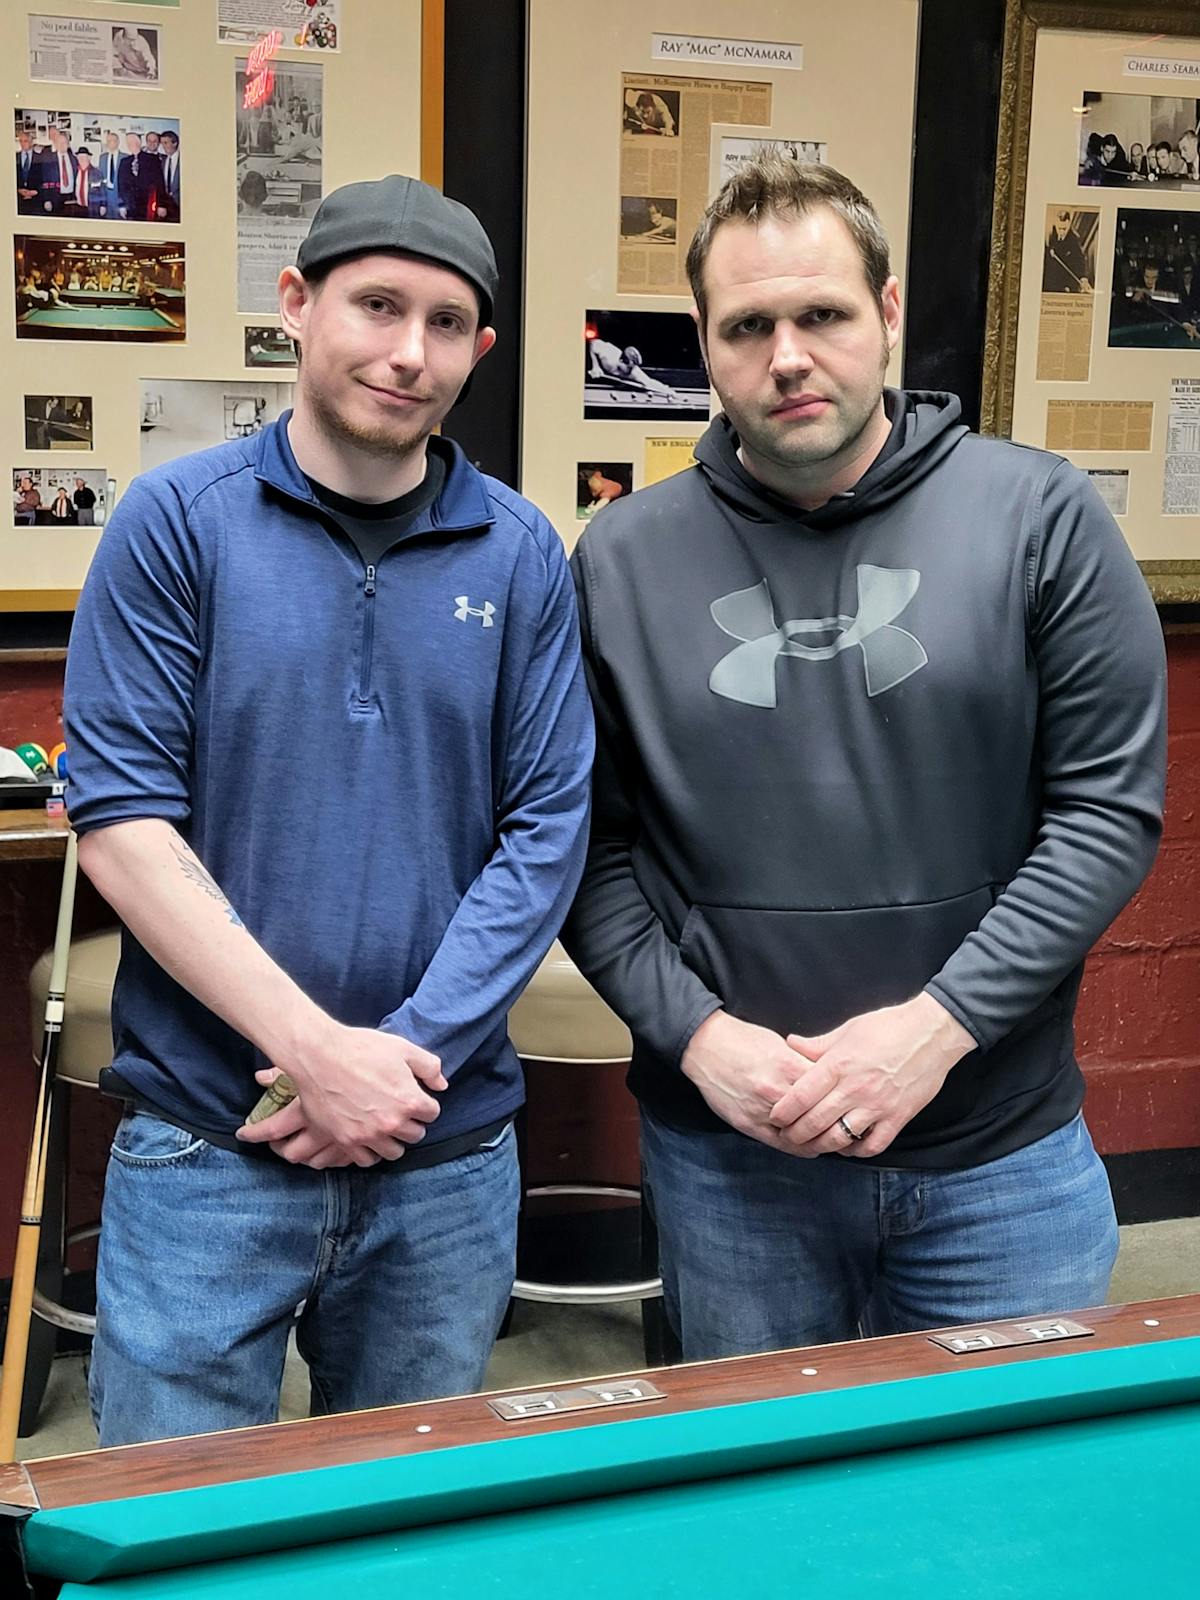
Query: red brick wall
x,y
1138,1023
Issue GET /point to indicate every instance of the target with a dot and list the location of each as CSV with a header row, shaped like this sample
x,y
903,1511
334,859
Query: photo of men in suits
x,y
50,146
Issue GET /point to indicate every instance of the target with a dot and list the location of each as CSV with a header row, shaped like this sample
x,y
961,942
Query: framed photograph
x,y
267,347
98,166
58,422
1092,344
59,497
99,289
639,365
598,484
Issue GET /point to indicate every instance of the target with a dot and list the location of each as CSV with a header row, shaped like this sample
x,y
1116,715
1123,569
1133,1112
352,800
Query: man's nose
x,y
408,345
790,356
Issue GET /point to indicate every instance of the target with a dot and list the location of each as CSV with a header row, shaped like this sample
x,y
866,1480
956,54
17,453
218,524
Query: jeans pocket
x,y
142,1140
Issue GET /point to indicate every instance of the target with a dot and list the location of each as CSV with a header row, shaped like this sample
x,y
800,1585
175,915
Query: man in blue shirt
x,y
330,760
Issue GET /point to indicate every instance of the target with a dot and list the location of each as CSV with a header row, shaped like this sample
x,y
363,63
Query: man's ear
x,y
891,311
485,340
294,293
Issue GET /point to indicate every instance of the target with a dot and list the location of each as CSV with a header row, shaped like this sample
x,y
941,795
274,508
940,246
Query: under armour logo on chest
x,y
890,654
463,610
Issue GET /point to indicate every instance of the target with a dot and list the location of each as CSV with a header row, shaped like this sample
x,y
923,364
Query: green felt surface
x,y
1085,1509
224,1523
1152,336
104,318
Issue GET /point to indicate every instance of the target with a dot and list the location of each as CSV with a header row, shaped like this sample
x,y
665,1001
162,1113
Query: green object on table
x,y
1076,1475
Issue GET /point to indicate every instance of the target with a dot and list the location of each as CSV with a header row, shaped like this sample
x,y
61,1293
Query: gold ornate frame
x,y
1171,582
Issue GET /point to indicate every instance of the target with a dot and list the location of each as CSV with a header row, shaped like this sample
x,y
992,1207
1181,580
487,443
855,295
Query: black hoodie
x,y
912,740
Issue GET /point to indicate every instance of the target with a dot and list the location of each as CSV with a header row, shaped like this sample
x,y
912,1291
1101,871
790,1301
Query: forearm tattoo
x,y
194,869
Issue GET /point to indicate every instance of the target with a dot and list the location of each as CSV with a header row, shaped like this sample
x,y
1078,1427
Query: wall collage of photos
x,y
614,386
166,165
1117,287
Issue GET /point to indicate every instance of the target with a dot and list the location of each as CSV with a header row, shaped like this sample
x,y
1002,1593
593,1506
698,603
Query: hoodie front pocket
x,y
808,971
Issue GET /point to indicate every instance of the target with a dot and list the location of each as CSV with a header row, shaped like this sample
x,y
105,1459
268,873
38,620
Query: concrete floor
x,y
548,1342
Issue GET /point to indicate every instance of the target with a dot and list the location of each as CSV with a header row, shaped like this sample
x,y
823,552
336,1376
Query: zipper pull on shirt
x,y
369,583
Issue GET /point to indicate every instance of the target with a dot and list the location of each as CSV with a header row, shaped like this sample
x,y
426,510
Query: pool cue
x,y
1054,256
1157,310
273,1098
20,1305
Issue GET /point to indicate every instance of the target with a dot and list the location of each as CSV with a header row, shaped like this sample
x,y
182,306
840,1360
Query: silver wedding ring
x,y
849,1131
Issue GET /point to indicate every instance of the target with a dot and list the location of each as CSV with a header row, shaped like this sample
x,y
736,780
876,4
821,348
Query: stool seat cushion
x,y
560,1017
87,1045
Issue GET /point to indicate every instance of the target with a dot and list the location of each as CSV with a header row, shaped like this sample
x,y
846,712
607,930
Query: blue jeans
x,y
765,1251
206,1255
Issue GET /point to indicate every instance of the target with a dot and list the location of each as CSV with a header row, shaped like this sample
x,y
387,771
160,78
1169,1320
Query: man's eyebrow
x,y
832,298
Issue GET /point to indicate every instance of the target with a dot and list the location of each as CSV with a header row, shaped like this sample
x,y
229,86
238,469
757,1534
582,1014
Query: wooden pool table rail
x,y
168,1465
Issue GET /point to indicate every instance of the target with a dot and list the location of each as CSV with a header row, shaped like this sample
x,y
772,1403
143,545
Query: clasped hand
x,y
362,1097
800,1094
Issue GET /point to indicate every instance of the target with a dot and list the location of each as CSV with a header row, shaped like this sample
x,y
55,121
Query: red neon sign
x,y
260,74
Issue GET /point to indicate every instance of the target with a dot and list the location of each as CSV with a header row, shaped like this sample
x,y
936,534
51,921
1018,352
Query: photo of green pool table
x,y
100,322
1055,1456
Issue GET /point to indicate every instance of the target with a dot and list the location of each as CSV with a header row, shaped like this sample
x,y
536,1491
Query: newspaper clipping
x,y
279,157
1181,477
666,128
1112,485
666,457
736,151
1064,349
1098,425
78,50
304,24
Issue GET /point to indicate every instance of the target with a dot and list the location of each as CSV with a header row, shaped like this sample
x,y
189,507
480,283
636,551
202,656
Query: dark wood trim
x,y
373,1435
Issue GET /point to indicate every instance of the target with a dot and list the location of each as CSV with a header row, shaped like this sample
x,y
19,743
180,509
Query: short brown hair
x,y
772,185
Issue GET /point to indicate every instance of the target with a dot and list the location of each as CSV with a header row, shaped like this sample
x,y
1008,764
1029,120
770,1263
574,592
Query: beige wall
x,y
371,127
856,92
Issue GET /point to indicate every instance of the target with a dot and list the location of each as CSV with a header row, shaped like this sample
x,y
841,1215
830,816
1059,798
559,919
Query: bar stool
x,y
560,1019
85,1050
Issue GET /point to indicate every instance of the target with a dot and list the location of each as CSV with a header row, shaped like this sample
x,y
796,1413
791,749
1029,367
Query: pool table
x,y
99,322
1054,1456
100,297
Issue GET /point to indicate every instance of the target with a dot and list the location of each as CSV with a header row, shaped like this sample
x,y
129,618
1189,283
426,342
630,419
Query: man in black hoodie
x,y
880,709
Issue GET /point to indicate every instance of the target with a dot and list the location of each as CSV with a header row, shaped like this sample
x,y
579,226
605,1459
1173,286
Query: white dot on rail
x,y
423,1427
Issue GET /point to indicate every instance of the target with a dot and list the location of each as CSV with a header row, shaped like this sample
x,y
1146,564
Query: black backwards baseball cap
x,y
407,215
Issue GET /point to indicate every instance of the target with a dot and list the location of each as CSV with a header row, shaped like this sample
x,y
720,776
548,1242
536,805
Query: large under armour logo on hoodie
x,y
890,654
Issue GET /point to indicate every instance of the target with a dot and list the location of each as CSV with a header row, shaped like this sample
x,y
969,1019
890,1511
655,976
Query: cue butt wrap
x,y
274,1097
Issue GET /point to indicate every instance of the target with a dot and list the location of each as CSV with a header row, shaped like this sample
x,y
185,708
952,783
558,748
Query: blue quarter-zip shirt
x,y
386,769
